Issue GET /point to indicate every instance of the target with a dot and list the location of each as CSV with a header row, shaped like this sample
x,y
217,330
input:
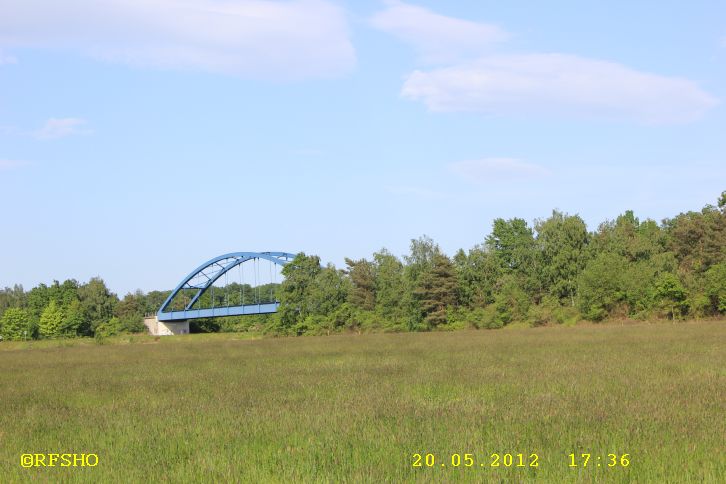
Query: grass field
x,y
356,408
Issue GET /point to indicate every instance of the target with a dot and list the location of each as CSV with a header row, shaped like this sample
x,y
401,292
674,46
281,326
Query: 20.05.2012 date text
x,y
473,460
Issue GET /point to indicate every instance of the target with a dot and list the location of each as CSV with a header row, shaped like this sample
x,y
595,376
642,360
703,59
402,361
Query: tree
x,y
698,239
601,285
390,286
63,293
154,299
363,279
562,240
512,242
511,302
671,295
51,320
130,312
716,287
16,324
436,290
513,245
630,238
418,262
300,274
329,290
477,273
73,319
12,298
97,303
37,300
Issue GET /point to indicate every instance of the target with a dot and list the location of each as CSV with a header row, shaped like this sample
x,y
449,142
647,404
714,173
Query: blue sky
x,y
140,138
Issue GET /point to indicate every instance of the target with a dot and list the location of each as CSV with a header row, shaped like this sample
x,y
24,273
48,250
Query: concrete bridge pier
x,y
165,328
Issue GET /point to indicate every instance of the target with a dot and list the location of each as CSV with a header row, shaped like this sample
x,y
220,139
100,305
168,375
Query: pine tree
x,y
363,277
436,290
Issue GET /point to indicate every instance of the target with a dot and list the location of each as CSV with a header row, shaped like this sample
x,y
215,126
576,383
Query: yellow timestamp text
x,y
585,459
496,459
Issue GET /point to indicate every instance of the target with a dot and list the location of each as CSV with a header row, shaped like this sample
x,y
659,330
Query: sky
x,y
139,138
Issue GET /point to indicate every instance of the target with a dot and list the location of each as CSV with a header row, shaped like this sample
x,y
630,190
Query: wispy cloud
x,y
61,127
497,169
11,164
548,85
249,38
560,85
437,37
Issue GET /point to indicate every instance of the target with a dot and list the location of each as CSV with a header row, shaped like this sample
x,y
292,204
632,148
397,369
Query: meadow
x,y
357,408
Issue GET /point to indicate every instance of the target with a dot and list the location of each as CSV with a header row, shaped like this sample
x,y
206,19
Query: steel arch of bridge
x,y
204,276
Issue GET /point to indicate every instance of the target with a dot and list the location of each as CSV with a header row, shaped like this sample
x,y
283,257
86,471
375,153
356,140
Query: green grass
x,y
356,408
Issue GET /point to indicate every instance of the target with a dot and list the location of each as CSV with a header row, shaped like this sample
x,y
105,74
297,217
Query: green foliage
x,y
513,243
328,292
477,273
14,297
16,324
562,241
671,295
435,290
51,321
698,239
511,302
389,285
419,263
112,327
73,319
98,304
309,290
204,325
363,284
716,287
601,285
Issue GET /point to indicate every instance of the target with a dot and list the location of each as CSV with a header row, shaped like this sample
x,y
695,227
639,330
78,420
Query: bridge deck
x,y
218,312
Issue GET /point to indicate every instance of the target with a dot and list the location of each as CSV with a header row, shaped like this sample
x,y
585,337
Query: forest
x,y
553,272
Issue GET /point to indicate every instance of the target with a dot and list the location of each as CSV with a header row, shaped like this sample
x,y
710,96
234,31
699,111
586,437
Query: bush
x,y
111,327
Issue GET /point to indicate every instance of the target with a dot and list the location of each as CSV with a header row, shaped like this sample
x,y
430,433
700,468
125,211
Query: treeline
x,y
71,309
553,272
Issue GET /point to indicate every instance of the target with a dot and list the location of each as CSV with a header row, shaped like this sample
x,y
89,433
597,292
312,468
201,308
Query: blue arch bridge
x,y
194,297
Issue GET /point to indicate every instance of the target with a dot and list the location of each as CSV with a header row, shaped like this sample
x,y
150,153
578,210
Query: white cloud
x,y
497,169
11,164
530,84
250,38
559,85
61,127
437,37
